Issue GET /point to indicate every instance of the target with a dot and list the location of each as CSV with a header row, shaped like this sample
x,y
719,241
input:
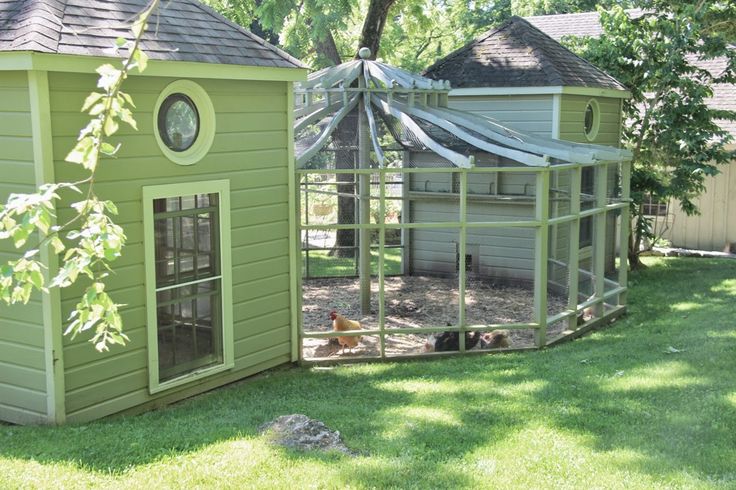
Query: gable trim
x,y
26,60
589,91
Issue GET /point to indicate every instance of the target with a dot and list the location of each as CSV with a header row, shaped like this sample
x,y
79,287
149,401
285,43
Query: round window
x,y
178,122
591,121
184,122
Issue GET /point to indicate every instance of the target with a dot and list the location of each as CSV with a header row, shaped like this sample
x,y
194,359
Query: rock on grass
x,y
299,432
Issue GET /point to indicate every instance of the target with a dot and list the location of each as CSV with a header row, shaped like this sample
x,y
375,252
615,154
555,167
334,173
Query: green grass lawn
x,y
322,264
648,403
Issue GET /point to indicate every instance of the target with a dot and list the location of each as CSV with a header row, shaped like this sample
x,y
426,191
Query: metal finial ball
x,y
364,53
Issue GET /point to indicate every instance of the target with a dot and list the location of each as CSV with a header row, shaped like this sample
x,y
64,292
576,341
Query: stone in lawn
x,y
298,431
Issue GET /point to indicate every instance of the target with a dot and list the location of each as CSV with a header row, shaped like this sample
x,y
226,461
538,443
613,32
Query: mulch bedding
x,y
414,302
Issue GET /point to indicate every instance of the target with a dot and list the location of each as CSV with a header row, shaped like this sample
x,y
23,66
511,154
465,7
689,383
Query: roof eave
x,y
551,90
29,60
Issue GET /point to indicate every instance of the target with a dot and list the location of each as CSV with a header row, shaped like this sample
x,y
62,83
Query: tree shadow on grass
x,y
364,407
414,424
657,382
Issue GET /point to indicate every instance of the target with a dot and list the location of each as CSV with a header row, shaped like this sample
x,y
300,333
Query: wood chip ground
x,y
413,302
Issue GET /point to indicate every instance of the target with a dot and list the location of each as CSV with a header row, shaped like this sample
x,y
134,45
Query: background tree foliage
x,y
674,134
418,32
547,7
321,32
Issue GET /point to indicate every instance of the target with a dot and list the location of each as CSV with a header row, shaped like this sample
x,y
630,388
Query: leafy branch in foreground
x,y
91,239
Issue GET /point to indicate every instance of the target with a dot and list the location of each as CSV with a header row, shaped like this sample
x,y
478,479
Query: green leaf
x,y
36,278
111,126
128,99
108,76
81,152
97,109
127,117
108,149
90,100
141,59
111,207
57,245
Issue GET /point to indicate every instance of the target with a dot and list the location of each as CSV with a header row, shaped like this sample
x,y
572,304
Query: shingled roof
x,y
181,30
588,24
517,54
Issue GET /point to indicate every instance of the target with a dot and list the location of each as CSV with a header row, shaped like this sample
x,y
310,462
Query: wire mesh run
x,y
448,260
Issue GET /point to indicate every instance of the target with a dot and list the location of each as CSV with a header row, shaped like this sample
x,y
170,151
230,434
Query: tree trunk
x,y
375,21
326,47
260,31
346,131
635,238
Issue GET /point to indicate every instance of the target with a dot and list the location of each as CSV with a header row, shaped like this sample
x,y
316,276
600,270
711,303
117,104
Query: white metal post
x,y
541,250
599,237
573,262
364,204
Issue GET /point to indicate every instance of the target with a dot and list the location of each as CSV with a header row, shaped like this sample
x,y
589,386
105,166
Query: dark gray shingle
x,y
517,54
182,30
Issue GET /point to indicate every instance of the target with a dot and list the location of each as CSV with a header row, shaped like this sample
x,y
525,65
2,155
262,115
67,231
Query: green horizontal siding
x,y
572,116
22,368
572,119
250,149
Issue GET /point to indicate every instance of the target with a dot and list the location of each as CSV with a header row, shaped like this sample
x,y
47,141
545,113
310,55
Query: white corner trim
x,y
556,115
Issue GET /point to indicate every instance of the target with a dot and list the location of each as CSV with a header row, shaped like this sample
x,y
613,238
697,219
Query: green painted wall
x,y
22,367
572,115
249,149
572,119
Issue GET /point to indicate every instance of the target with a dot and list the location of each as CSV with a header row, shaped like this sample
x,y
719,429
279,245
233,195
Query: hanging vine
x,y
90,240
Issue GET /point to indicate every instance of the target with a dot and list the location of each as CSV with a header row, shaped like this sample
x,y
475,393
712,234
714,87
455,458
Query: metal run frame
x,y
541,223
306,248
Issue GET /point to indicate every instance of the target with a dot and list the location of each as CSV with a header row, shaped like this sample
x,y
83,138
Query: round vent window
x,y
592,119
184,122
178,122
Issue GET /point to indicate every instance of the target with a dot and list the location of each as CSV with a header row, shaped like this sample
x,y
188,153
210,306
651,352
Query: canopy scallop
x,y
414,110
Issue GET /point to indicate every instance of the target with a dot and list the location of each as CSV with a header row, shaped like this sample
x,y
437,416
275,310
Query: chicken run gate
x,y
417,219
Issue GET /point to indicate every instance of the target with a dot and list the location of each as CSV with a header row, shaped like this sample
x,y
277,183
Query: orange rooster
x,y
342,324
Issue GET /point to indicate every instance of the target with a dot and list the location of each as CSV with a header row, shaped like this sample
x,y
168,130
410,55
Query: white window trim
x,y
222,188
596,120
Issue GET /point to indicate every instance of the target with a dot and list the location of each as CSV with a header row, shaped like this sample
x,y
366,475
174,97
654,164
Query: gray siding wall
x,y
529,113
505,252
502,253
22,367
250,149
